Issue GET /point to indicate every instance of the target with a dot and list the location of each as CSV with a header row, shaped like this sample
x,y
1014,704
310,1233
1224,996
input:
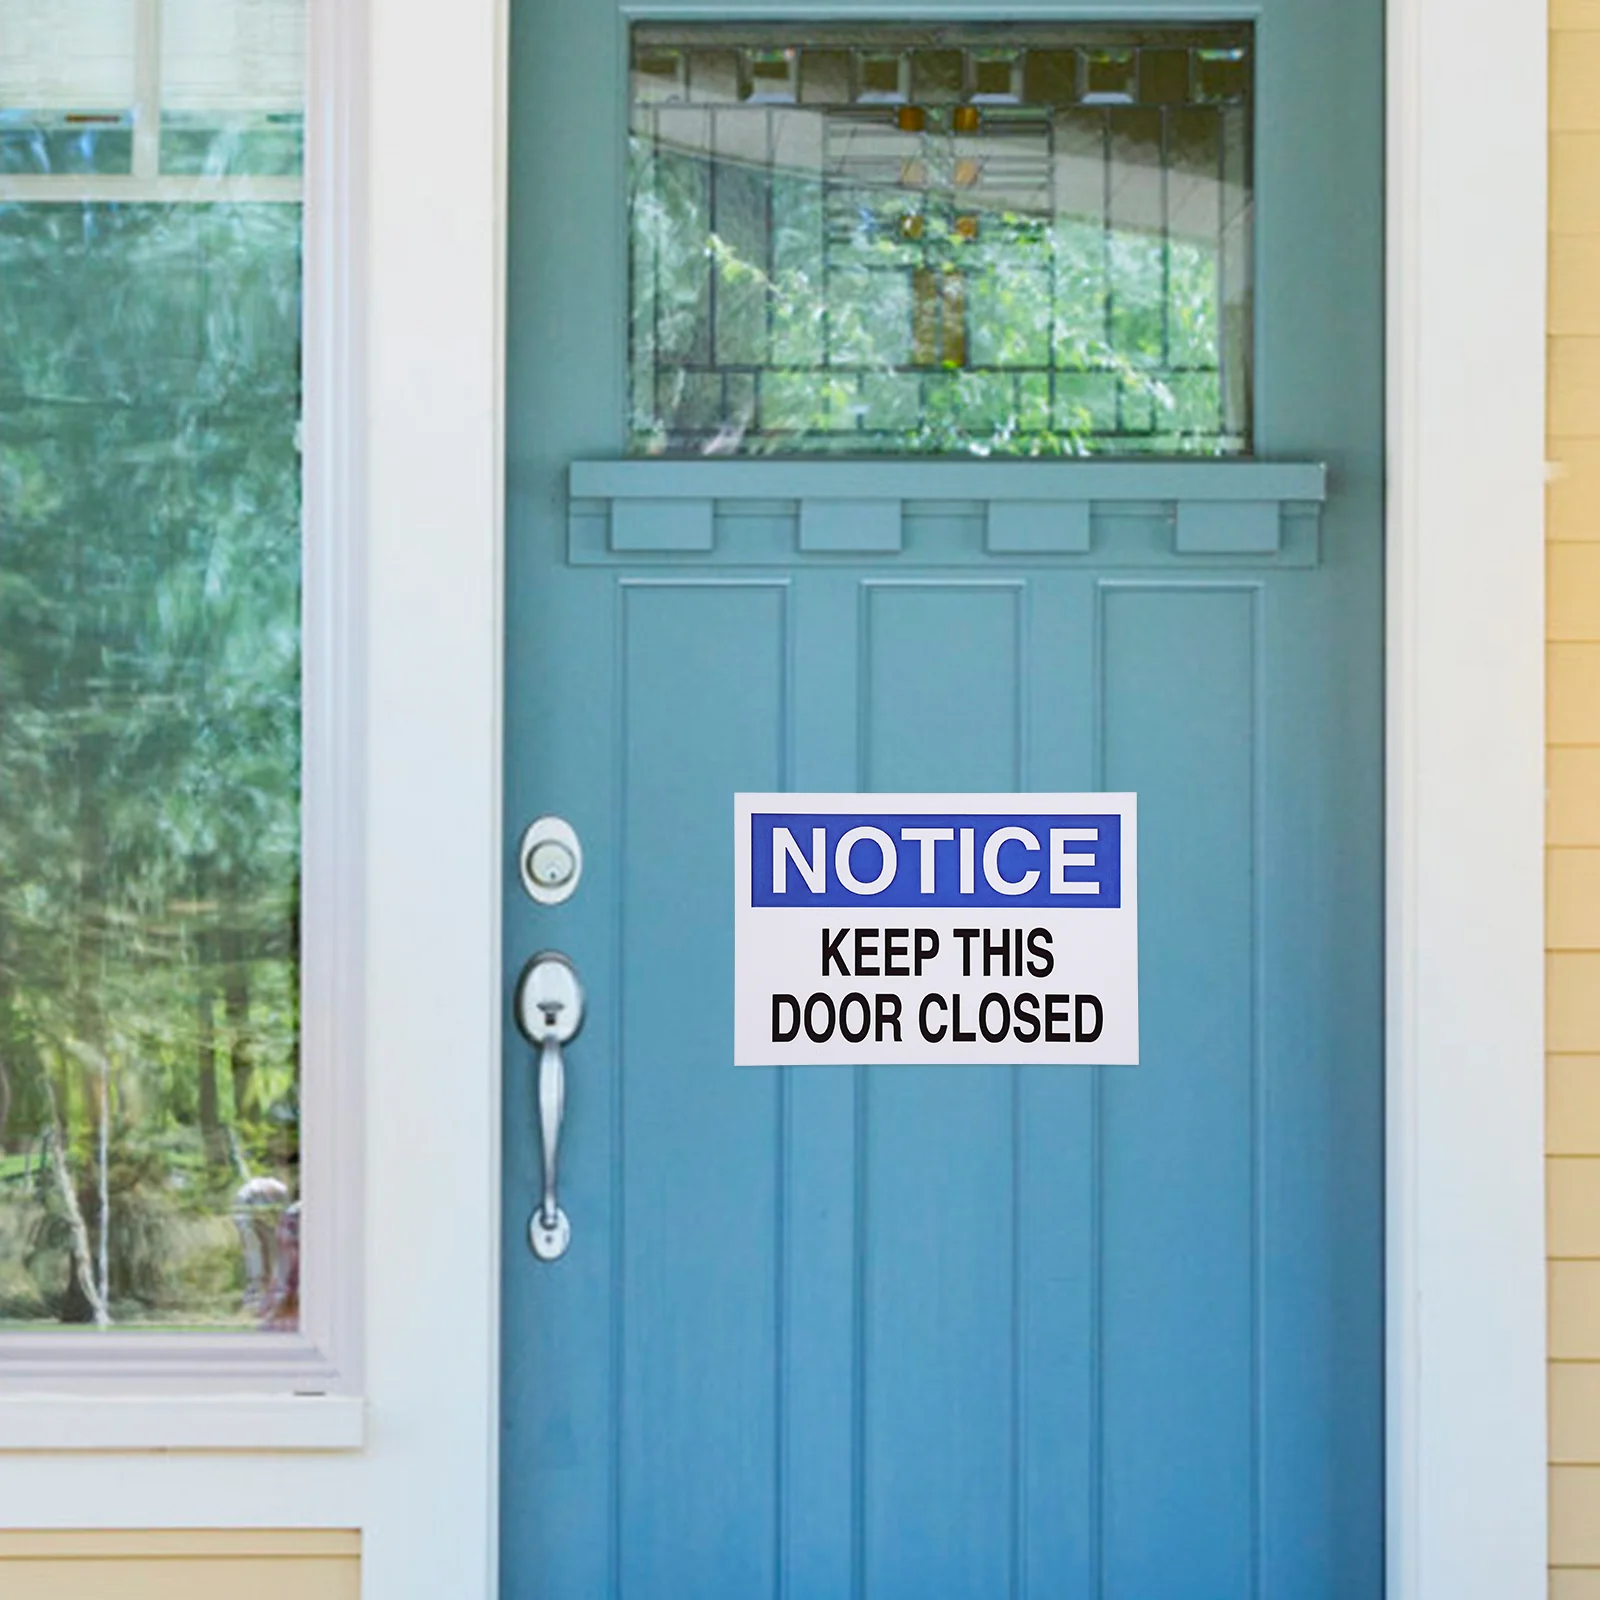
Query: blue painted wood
x,y
1227,527
953,533
800,479
697,1195
822,1154
1180,1148
938,1270
820,507
849,527
673,525
1036,527
972,1333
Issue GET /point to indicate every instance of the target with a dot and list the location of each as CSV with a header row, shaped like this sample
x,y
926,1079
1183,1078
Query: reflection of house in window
x,y
268,1221
972,239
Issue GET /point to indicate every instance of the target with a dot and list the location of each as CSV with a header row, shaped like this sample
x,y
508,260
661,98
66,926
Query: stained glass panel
x,y
975,239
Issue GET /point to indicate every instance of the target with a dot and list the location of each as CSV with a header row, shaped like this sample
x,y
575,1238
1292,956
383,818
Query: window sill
x,y
60,1422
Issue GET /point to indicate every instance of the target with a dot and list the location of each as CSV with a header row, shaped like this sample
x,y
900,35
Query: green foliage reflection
x,y
149,756
780,311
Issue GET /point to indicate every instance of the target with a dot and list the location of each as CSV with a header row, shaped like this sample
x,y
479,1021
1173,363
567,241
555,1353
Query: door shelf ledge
x,y
744,512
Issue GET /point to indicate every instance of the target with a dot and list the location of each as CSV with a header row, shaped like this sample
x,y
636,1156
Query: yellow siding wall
x,y
1573,916
180,1566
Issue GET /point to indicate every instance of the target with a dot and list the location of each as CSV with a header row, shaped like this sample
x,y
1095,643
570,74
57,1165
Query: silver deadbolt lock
x,y
550,860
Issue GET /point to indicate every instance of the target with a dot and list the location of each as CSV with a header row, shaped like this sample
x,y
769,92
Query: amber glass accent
x,y
1164,77
926,307
991,75
1111,74
911,119
1223,76
953,341
1050,78
938,75
880,76
771,74
965,119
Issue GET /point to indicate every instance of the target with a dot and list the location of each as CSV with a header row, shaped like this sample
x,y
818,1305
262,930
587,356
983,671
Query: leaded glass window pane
x,y
971,240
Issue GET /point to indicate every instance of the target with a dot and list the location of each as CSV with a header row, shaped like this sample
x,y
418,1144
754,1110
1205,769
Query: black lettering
x,y
1044,963
1005,1017
894,945
927,947
782,1034
966,936
956,1035
888,1015
1026,1009
866,952
1057,1017
1017,962
1087,1035
830,952
866,1017
826,1033
922,1017
997,948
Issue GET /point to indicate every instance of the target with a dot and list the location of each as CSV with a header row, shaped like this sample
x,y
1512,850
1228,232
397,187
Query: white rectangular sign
x,y
936,928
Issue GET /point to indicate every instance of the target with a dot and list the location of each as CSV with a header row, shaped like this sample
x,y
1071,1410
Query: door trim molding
x,y
1466,1420
1467,218
1466,1397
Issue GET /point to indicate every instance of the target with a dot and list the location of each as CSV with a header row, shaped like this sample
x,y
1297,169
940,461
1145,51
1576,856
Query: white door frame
x,y
1466,1389
1466,306
1467,210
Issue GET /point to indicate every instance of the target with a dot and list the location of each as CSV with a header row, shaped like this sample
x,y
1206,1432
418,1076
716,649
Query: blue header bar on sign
x,y
922,859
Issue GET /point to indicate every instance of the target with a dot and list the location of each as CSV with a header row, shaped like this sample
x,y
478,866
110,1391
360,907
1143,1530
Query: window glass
x,y
150,376
985,240
67,85
231,80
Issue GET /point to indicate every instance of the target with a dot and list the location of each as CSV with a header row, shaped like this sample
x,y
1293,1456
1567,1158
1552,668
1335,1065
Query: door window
x,y
977,240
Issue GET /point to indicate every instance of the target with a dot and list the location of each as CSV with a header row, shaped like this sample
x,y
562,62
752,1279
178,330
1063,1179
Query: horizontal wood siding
x,y
181,1565
1573,915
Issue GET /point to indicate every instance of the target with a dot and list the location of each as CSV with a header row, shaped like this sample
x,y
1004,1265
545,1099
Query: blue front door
x,y
955,405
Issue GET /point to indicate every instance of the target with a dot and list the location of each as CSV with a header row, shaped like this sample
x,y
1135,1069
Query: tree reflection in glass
x,y
150,686
955,239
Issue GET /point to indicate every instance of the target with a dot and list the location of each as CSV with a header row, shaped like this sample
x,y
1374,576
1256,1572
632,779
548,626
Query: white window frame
x,y
298,1388
1466,1395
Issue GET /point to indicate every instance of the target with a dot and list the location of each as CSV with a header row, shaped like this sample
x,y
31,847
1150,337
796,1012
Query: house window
x,y
981,240
150,663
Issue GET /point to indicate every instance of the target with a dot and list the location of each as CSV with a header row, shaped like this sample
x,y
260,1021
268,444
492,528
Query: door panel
x,y
963,1331
1179,1147
694,1179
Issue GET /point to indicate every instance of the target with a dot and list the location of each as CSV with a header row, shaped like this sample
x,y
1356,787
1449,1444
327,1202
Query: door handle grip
x,y
549,1231
549,1011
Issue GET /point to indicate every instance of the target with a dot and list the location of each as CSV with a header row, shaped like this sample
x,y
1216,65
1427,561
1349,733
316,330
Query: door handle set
x,y
549,1012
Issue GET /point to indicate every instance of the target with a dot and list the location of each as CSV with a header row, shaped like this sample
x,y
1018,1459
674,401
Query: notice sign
x,y
936,928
